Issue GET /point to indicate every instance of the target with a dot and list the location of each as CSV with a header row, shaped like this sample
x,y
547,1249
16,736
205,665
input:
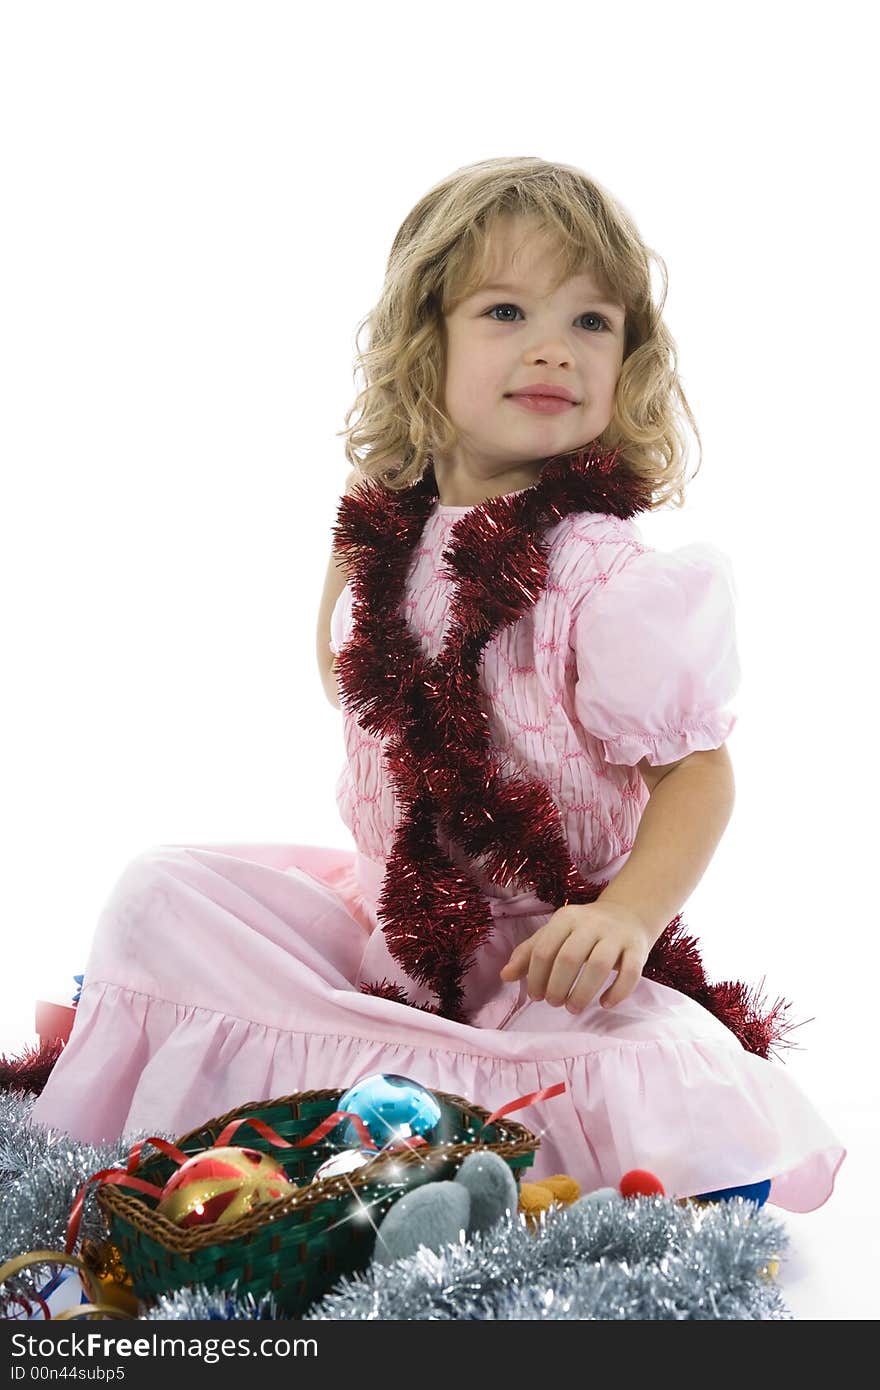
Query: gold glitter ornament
x,y
220,1185
104,1262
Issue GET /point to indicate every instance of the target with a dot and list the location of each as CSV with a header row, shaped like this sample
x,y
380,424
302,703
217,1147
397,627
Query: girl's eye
x,y
606,326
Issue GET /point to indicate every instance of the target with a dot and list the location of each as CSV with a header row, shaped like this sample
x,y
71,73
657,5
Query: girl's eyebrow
x,y
518,289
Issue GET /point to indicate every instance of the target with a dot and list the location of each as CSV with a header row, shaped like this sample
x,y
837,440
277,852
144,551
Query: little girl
x,y
536,774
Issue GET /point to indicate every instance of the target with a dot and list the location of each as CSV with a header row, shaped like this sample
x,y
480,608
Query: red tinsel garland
x,y
440,761
30,1071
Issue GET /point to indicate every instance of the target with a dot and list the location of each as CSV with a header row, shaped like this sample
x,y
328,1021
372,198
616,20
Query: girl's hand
x,y
600,938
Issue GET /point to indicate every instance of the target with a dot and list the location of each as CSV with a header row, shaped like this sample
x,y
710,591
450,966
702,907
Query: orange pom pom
x,y
534,1199
533,1196
564,1188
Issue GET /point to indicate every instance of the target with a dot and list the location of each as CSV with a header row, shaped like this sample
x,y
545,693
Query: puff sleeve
x,y
340,620
656,656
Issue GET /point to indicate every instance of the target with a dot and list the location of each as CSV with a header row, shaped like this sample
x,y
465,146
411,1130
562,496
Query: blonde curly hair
x,y
440,255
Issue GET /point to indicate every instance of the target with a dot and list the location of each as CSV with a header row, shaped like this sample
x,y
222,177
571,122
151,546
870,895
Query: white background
x,y
198,200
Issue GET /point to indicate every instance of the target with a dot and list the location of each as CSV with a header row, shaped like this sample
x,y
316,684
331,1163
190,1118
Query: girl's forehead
x,y
532,260
541,281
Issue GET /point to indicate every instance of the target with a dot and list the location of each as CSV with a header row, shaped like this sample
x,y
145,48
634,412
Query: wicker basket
x,y
298,1247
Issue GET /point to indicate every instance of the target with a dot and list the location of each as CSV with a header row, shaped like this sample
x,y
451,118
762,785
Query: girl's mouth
x,y
545,405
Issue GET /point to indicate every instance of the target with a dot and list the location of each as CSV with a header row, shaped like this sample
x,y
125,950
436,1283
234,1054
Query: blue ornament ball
x,y
393,1108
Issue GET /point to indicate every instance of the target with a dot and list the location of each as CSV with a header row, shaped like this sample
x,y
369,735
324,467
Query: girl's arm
x,y
334,582
567,959
688,810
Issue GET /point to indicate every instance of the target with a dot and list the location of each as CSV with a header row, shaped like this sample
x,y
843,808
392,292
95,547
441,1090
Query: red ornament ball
x,y
640,1183
220,1185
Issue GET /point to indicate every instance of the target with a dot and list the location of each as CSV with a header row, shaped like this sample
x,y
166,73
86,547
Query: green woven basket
x,y
298,1247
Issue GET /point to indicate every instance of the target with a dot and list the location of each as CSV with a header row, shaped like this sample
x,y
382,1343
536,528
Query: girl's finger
x,y
628,976
545,947
518,963
569,961
594,974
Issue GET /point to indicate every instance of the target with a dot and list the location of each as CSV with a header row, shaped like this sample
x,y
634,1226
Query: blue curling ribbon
x,y
79,981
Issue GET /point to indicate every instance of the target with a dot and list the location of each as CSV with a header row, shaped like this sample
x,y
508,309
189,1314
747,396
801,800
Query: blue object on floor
x,y
753,1192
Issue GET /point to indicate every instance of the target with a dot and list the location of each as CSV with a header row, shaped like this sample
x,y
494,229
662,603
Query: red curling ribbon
x,y
134,1158
111,1176
17,1298
115,1175
523,1101
412,1143
323,1128
260,1126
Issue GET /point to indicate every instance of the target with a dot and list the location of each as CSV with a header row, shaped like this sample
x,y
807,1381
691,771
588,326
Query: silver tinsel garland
x,y
646,1258
199,1304
41,1172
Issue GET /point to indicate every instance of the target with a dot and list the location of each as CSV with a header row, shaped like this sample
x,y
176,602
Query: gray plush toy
x,y
483,1191
440,1213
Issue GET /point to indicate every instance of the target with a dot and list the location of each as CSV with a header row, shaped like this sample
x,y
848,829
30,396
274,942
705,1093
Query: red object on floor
x,y
53,1020
638,1182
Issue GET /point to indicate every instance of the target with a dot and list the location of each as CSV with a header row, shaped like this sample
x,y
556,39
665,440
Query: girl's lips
x,y
545,405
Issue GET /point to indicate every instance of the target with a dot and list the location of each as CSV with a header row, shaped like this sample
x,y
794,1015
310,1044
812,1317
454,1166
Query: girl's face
x,y
512,333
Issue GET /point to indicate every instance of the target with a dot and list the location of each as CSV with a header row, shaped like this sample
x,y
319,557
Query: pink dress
x,y
223,974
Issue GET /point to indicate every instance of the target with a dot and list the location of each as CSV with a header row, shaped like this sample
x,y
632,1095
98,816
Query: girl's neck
x,y
459,490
